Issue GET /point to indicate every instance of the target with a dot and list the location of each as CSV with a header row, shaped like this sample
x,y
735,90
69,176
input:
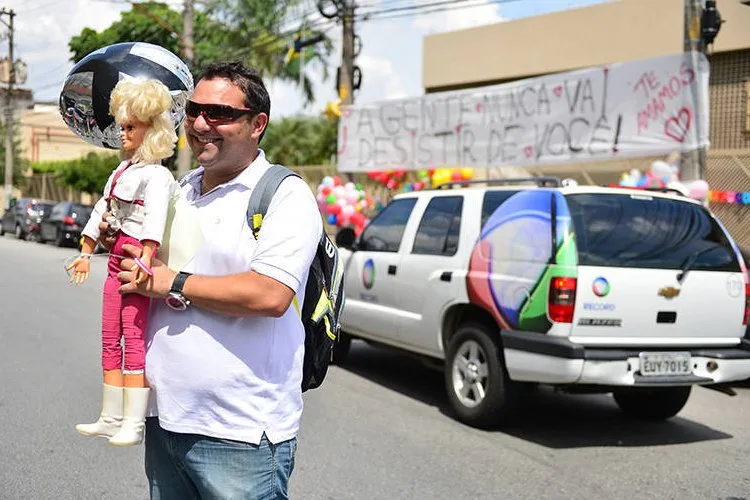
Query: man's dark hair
x,y
249,82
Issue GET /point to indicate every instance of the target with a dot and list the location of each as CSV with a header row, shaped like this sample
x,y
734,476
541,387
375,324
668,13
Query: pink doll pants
x,y
123,316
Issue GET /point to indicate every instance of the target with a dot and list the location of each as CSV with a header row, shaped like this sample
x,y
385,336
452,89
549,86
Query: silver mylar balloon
x,y
84,99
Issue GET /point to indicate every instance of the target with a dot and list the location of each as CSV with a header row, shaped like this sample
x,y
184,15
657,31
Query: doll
x,y
137,195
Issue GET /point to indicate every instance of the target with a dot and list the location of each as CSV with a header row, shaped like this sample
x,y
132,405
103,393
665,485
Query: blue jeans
x,y
191,466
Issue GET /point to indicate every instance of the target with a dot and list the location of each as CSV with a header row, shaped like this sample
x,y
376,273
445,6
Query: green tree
x,y
88,173
248,30
19,163
300,140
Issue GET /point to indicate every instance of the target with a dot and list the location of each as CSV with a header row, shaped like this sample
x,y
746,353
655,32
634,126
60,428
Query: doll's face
x,y
132,132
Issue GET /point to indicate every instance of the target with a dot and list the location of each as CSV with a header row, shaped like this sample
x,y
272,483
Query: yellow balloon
x,y
467,173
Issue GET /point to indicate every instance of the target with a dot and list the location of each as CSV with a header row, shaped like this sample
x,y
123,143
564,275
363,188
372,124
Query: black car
x,y
64,224
24,215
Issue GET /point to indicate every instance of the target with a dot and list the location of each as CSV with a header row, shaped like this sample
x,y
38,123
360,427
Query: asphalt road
x,y
379,428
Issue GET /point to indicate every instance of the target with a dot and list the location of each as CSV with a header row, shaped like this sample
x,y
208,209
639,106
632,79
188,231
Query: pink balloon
x,y
697,189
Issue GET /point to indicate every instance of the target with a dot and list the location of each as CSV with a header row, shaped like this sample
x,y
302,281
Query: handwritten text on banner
x,y
641,108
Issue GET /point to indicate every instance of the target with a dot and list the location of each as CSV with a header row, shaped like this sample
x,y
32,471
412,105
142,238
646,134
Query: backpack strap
x,y
262,194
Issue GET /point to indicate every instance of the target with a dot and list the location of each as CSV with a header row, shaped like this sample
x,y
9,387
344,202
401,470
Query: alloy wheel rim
x,y
469,374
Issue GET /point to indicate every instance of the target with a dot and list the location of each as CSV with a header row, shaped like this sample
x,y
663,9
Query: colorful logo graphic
x,y
600,287
368,274
509,268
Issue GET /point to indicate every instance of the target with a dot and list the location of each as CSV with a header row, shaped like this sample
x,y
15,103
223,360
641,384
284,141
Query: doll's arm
x,y
149,249
80,266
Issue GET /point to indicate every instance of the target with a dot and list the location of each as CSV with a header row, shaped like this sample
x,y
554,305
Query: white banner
x,y
641,108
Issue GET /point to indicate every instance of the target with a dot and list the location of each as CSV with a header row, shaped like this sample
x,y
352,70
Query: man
x,y
226,370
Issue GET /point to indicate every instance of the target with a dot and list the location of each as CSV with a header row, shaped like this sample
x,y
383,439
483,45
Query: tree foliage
x,y
19,163
88,173
249,30
300,140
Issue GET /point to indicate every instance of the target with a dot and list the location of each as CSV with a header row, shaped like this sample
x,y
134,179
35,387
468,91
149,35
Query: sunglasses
x,y
215,113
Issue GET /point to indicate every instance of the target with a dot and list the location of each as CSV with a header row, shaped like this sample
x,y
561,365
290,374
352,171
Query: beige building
x,y
45,137
612,32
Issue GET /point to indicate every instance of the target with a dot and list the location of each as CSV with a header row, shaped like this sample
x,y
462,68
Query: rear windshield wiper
x,y
687,265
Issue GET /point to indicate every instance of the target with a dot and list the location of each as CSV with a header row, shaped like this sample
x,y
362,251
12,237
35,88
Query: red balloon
x,y
392,184
336,180
384,177
333,208
399,174
373,174
326,190
456,175
357,218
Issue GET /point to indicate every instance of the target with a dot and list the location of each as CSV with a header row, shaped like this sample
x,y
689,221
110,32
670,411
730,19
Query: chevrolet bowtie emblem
x,y
668,292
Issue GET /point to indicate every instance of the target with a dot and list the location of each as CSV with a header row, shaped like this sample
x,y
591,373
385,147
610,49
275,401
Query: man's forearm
x,y
246,294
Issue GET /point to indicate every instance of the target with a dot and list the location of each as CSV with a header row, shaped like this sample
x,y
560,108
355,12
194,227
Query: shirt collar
x,y
248,177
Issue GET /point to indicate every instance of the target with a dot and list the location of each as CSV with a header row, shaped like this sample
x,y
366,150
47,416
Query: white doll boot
x,y
110,419
133,423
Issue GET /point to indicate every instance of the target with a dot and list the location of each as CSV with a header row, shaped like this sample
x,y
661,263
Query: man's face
x,y
228,145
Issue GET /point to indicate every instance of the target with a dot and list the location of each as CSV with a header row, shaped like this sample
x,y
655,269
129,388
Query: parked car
x,y
23,214
510,285
65,223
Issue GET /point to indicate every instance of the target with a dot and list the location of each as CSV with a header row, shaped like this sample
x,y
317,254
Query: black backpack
x,y
324,291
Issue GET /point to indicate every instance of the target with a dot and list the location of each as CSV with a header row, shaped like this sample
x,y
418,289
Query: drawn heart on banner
x,y
528,151
677,126
557,91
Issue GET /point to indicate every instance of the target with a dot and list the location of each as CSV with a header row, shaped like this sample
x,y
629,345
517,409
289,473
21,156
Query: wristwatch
x,y
176,300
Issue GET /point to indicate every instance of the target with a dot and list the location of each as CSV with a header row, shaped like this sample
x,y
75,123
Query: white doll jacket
x,y
138,196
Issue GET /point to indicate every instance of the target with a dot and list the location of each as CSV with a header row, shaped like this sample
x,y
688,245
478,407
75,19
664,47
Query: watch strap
x,y
179,282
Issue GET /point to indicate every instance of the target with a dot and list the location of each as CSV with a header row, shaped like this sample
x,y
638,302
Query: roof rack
x,y
539,181
652,189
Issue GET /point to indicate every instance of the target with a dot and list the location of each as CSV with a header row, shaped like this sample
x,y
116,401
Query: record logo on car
x,y
600,287
368,274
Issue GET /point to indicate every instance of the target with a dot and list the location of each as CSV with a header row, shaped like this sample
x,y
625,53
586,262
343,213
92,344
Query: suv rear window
x,y
641,231
492,200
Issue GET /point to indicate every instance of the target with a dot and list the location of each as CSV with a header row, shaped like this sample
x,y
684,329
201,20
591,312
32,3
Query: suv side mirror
x,y
12,203
345,238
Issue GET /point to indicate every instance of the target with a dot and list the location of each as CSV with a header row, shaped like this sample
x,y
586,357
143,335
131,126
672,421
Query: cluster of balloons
x,y
433,177
442,175
389,178
343,204
664,175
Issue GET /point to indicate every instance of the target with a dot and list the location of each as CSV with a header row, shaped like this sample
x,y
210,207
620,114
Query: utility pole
x,y
694,162
346,79
9,111
184,160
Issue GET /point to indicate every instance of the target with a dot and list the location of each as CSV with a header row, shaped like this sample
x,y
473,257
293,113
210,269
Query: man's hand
x,y
106,237
156,286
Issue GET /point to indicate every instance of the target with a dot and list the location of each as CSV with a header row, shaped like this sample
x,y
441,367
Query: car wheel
x,y
19,233
2,231
341,348
478,386
658,403
59,241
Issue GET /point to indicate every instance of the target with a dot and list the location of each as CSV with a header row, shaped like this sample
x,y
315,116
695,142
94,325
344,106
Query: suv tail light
x,y
562,299
69,221
747,304
29,211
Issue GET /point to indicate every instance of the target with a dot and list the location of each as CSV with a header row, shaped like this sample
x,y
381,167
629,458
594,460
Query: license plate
x,y
659,364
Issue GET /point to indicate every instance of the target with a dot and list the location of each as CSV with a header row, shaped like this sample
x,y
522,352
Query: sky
x,y
390,59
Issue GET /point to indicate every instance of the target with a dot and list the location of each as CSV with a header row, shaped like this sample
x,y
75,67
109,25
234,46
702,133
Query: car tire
x,y
59,241
2,231
341,349
19,233
658,403
479,388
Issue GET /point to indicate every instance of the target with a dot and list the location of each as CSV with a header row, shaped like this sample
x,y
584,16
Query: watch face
x,y
176,302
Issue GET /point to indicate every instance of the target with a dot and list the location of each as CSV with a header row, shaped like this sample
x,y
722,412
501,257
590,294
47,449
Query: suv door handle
x,y
392,270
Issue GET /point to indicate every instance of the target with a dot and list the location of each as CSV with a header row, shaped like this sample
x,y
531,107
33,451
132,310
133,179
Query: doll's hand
x,y
140,273
80,268
156,286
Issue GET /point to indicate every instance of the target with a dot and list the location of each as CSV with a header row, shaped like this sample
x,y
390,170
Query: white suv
x,y
634,292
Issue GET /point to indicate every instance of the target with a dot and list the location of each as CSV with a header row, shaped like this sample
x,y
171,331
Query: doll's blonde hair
x,y
147,101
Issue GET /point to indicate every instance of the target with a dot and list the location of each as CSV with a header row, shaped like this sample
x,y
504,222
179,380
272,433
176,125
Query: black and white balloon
x,y
84,99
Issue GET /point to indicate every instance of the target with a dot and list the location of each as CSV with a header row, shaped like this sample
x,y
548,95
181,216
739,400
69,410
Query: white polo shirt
x,y
228,377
